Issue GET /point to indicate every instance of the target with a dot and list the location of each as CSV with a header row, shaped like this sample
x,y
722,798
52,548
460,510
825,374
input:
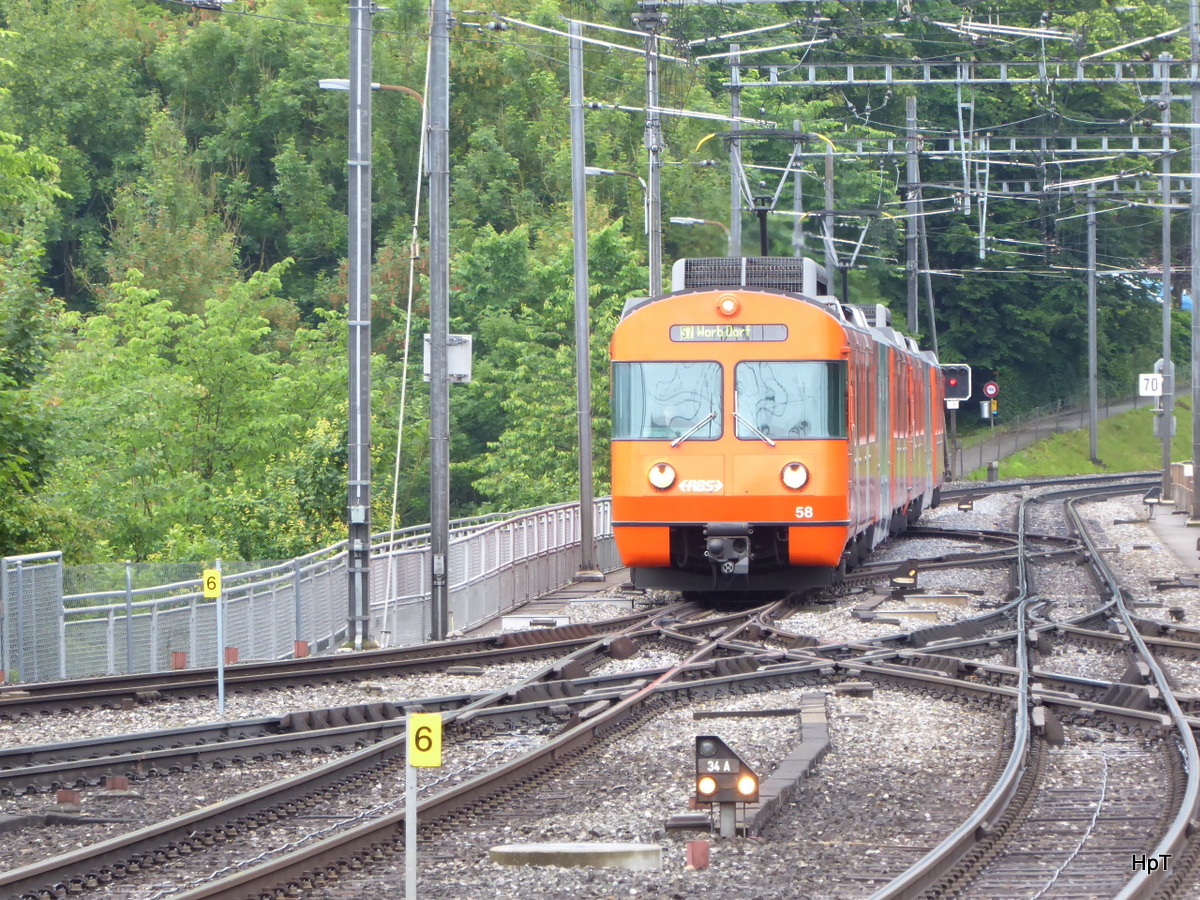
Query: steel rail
x,y
657,684
1177,835
791,674
115,851
921,876
301,867
333,850
62,869
917,878
113,690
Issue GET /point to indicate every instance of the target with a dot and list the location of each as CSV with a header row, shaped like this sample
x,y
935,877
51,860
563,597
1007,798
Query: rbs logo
x,y
702,486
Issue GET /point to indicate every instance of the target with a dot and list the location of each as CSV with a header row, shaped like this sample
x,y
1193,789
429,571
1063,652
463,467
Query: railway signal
x,y
724,778
958,381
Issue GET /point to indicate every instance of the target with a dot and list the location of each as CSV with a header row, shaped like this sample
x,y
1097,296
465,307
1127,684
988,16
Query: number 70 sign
x,y
1150,385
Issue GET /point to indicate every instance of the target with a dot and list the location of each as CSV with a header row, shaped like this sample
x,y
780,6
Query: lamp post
x,y
343,84
358,542
595,170
358,438
359,309
688,220
588,568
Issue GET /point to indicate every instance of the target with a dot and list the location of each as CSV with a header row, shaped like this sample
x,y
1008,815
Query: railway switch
x,y
724,778
905,577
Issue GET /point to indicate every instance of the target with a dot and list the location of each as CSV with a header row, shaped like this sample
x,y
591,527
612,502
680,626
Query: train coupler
x,y
727,546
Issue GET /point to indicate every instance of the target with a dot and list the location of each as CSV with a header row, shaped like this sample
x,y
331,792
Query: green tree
x,y
28,317
78,89
535,458
163,411
164,225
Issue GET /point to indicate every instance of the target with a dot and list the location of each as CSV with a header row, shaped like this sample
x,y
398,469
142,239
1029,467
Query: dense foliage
x,y
173,230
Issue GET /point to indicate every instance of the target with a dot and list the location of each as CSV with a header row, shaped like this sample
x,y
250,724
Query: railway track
x,y
125,691
544,743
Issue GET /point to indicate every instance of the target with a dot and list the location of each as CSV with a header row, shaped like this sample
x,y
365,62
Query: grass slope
x,y
1125,443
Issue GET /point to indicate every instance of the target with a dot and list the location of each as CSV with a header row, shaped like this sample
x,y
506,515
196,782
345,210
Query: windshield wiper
x,y
687,434
738,417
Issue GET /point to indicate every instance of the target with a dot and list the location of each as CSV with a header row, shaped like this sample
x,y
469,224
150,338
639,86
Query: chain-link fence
x,y
69,622
31,632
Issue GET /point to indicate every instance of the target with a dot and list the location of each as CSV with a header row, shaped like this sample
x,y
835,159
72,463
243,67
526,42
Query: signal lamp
x,y
722,776
729,306
662,475
747,785
958,382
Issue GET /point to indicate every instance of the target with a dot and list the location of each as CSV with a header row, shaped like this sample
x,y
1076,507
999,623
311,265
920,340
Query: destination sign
x,y
725,332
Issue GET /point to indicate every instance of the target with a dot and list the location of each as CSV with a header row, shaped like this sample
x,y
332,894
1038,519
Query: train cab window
x,y
666,401
790,400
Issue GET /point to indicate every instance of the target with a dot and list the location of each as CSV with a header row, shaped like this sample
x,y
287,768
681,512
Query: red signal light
x,y
958,381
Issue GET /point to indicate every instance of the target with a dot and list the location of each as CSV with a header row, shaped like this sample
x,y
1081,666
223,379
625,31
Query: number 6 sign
x,y
212,583
425,739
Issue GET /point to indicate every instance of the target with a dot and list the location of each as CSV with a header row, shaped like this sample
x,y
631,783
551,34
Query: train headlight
x,y
706,785
747,785
794,475
728,305
662,475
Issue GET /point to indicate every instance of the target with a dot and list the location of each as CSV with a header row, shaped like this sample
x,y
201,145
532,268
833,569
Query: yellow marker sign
x,y
425,739
212,582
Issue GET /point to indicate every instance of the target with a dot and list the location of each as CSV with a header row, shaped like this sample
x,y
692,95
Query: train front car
x,y
748,451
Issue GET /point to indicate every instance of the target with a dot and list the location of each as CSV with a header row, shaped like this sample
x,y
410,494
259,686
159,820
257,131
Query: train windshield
x,y
787,401
666,401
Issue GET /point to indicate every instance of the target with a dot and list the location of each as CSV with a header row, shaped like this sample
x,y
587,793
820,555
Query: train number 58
x,y
804,512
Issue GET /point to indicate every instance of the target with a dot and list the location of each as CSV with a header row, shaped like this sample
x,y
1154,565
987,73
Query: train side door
x,y
927,443
901,474
864,436
883,432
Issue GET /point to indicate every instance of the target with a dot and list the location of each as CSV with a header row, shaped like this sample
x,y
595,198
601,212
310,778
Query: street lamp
x,y
688,220
343,84
358,539
593,170
358,310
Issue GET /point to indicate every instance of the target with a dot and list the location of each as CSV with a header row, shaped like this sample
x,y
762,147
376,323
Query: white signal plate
x,y
1150,385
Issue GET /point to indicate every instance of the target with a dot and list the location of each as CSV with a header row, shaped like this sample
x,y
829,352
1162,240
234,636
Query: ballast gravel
x,y
178,713
900,768
868,821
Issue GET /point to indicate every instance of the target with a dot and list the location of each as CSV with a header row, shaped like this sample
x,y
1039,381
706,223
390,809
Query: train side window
x,y
791,400
666,400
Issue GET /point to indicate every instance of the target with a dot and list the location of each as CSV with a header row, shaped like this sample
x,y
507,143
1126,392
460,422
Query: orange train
x,y
766,437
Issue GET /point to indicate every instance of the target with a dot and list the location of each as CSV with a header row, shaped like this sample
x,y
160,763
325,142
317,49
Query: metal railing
x,y
496,562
